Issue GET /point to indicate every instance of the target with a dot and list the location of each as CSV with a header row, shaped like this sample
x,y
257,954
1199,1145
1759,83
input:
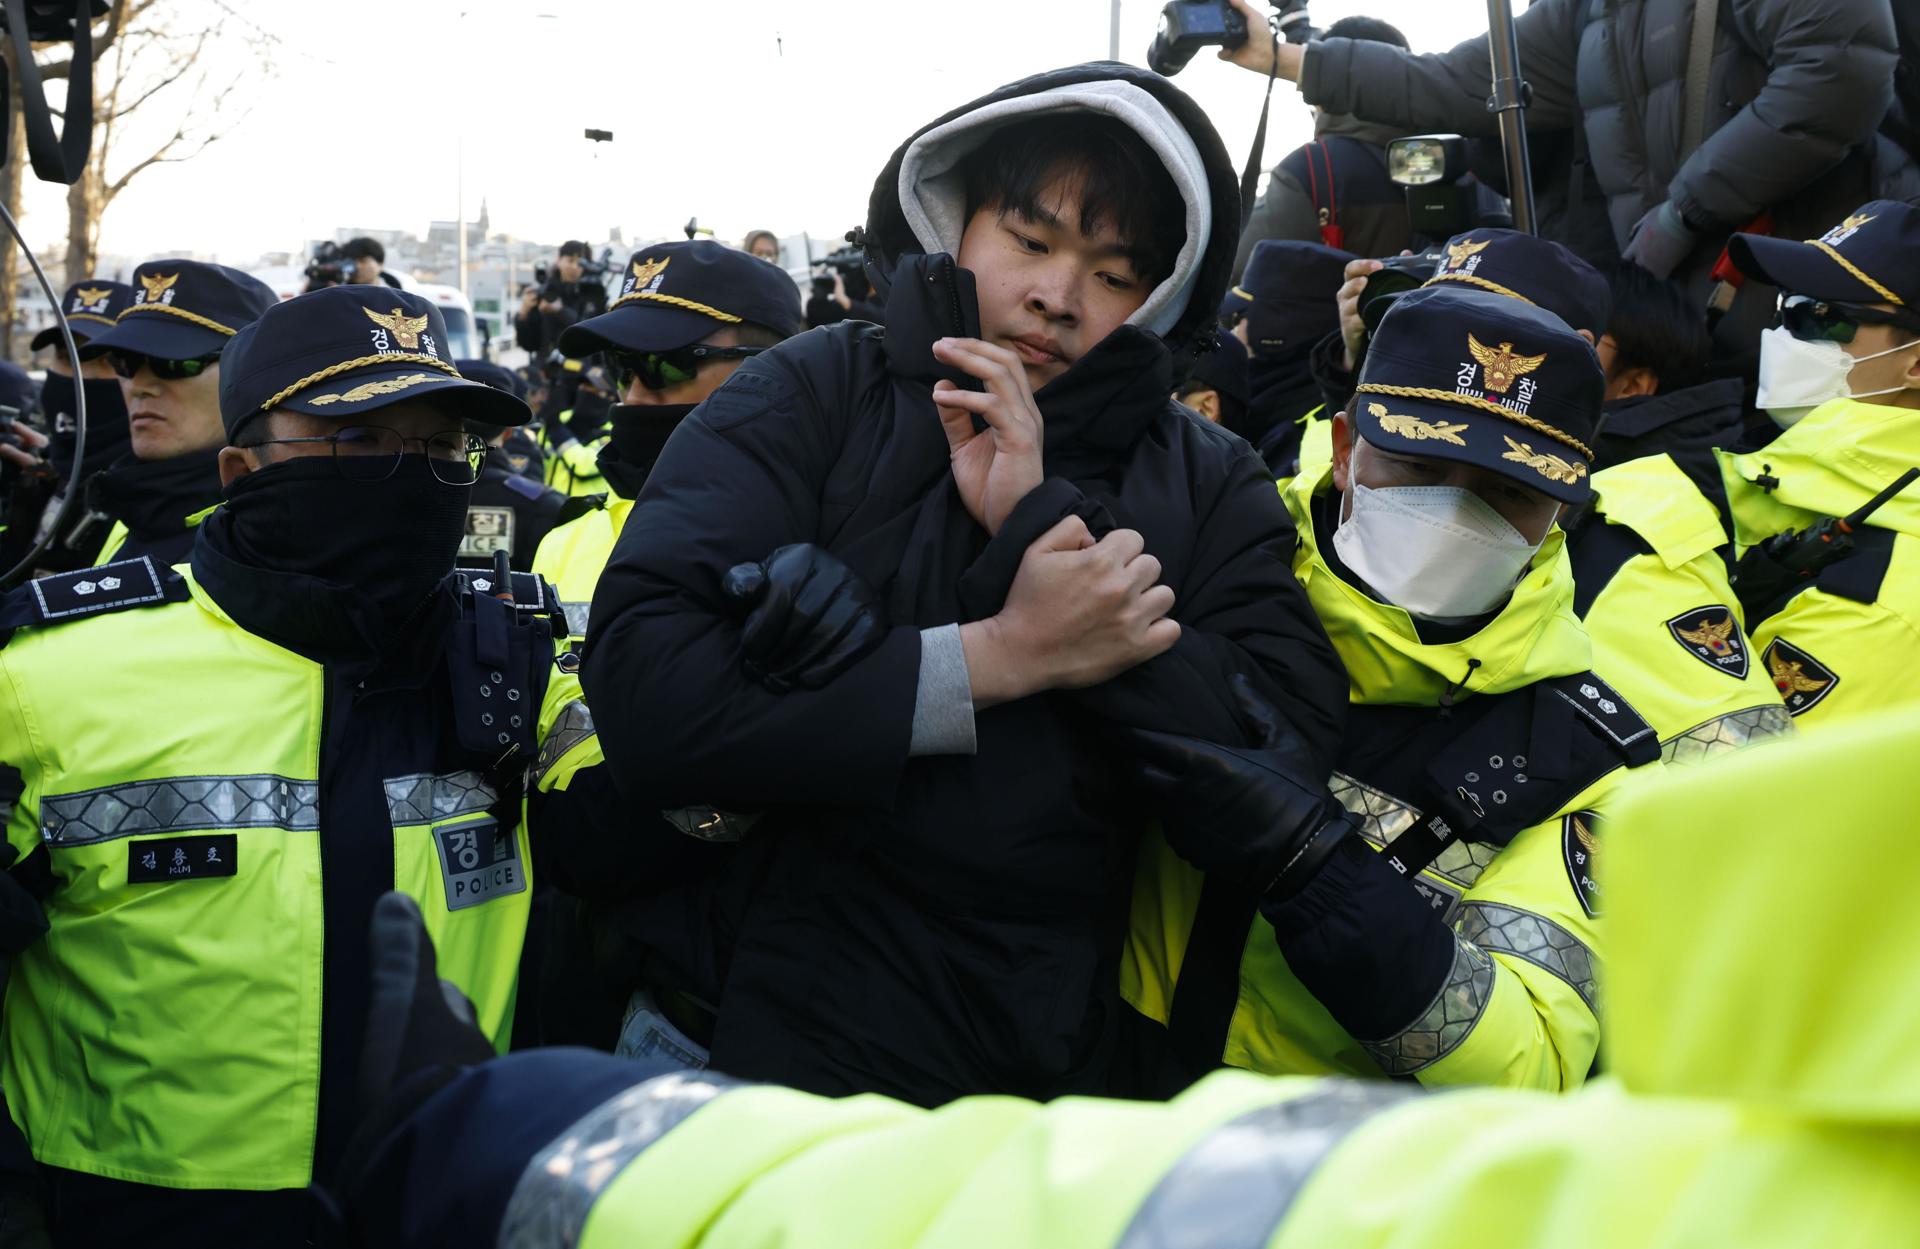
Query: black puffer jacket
x,y
1796,92
930,927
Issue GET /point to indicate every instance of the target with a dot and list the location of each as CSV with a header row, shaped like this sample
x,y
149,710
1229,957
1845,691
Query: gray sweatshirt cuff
x,y
943,703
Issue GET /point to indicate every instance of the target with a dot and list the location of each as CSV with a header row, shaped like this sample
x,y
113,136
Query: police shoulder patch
x,y
1801,679
1712,635
1577,837
489,529
91,592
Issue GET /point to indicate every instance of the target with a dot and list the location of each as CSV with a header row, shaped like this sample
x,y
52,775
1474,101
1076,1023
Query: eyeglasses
x,y
1818,320
128,363
658,370
372,453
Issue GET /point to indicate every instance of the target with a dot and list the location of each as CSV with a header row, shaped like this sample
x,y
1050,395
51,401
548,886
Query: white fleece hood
x,y
933,195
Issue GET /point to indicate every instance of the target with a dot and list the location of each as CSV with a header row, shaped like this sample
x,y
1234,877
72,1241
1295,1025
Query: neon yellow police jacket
x,y
1849,643
1521,1006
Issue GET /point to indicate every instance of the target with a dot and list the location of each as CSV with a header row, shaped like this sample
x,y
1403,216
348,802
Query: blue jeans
x,y
651,1042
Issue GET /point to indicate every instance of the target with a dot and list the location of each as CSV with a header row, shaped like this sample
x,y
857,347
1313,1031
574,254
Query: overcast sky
x,y
756,113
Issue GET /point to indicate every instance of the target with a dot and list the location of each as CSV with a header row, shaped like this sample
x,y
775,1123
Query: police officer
x,y
1283,305
1765,1094
1217,386
686,316
90,307
510,510
1835,620
339,718
166,347
1430,911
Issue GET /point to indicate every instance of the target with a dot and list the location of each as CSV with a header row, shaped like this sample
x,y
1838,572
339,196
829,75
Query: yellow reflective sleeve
x,y
1836,660
20,748
568,742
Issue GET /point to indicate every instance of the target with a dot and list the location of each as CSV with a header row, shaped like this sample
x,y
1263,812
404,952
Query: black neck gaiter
x,y
389,542
106,424
637,433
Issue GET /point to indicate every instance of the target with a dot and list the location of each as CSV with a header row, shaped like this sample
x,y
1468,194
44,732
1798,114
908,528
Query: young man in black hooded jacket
x,y
932,899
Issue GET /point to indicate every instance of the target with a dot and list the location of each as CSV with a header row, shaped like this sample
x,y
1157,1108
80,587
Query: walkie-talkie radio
x,y
1773,569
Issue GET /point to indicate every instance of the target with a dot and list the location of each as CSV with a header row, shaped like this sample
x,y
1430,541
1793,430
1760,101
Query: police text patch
x,y
478,862
1577,847
1711,635
489,529
167,859
1801,679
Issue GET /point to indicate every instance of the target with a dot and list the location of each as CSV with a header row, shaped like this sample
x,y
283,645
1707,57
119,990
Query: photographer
x,y
1794,96
1335,190
841,292
568,292
369,262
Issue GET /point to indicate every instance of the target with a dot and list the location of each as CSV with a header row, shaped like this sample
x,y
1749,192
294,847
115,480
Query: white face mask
x,y
1437,552
1797,376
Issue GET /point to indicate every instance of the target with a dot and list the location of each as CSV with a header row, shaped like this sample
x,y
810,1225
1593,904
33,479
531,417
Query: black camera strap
x,y
1250,176
55,159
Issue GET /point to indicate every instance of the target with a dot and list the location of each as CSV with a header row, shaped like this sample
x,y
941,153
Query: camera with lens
x,y
1186,26
1443,199
330,266
848,262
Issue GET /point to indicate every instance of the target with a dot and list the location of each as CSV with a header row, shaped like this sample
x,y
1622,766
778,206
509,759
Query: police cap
x,y
494,375
90,306
672,295
1463,374
346,351
1224,368
1288,293
1872,257
182,309
1520,266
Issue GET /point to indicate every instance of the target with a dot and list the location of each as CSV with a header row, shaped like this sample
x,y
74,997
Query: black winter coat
x,y
929,927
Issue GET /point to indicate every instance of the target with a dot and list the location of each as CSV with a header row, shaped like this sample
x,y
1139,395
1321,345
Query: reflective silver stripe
x,y
572,726
179,804
556,1192
1231,1189
1728,732
1439,1029
1522,934
1383,818
576,614
424,797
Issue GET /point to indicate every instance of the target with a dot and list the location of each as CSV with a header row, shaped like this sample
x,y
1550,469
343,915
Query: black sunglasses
x,y
1824,320
658,370
128,363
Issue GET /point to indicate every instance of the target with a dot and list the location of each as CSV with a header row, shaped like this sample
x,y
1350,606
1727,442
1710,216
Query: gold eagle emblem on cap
x,y
1788,677
1459,253
1717,638
157,285
93,295
1415,428
645,271
1552,467
1503,365
403,327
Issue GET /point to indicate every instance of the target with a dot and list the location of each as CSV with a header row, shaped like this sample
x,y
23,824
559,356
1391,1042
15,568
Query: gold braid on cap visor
x,y
703,309
334,370
194,317
1859,273
1483,283
1533,423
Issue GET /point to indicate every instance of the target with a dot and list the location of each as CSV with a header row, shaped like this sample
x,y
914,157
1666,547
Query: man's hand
x,y
1353,331
1260,815
1258,52
1661,241
27,447
809,617
1080,612
996,467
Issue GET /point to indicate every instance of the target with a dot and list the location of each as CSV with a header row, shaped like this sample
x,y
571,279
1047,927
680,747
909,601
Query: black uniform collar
x,y
323,621
153,498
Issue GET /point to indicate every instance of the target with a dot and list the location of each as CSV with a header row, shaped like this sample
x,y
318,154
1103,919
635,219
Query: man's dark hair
x,y
1120,180
1655,326
354,249
752,335
1372,29
574,247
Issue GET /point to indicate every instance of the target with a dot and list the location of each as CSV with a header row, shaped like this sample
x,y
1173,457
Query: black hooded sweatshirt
x,y
929,927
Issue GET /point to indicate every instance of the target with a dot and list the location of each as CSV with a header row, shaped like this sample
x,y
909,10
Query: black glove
x,y
809,617
1260,815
